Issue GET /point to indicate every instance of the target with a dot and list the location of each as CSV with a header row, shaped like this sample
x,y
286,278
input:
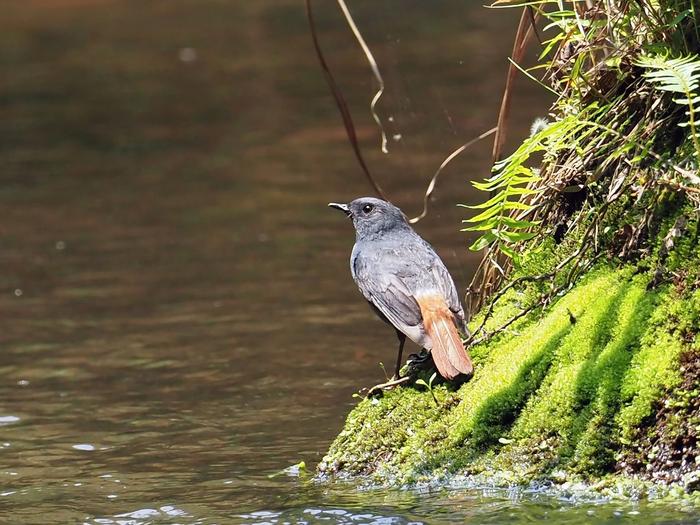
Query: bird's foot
x,y
378,390
419,362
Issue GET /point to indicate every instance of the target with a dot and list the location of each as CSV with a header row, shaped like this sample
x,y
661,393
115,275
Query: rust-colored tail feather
x,y
451,359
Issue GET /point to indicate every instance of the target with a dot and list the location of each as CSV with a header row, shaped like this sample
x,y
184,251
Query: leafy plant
x,y
504,220
429,386
595,181
680,76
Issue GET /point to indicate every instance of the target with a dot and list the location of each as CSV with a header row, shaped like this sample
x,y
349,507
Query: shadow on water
x,y
178,317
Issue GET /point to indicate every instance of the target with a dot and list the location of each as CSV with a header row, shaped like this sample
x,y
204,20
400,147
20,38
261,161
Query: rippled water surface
x,y
178,319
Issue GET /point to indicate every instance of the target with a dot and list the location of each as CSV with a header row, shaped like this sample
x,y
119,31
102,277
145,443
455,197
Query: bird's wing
x,y
379,277
445,284
439,280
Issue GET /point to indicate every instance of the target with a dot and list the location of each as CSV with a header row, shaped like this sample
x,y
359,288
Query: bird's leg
x,y
396,380
402,339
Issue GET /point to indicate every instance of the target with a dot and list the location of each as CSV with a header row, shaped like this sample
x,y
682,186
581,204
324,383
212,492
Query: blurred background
x,y
179,320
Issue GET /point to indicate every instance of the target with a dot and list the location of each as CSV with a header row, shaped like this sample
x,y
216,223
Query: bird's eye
x,y
367,208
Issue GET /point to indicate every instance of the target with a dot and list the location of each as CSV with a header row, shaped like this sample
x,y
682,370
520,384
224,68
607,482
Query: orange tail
x,y
448,351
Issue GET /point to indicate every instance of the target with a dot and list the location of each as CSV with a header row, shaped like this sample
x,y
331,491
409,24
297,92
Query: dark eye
x,y
367,208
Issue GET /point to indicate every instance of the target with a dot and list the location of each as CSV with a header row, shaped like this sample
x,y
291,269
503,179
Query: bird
x,y
407,284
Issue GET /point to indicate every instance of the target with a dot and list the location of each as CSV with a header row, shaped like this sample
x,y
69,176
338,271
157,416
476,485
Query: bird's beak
x,y
342,207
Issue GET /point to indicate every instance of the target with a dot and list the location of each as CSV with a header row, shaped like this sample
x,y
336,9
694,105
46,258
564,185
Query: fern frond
x,y
681,76
677,75
511,181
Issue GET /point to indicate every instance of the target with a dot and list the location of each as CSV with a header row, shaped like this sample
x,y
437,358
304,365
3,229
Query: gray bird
x,y
407,284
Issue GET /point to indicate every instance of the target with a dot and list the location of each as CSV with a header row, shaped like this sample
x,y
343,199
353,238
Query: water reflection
x,y
178,316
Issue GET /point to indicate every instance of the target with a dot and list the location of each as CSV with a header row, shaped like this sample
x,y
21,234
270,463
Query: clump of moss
x,y
377,430
670,331
661,439
574,390
578,402
556,397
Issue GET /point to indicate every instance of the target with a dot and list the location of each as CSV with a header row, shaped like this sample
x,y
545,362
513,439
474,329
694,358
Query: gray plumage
x,y
394,268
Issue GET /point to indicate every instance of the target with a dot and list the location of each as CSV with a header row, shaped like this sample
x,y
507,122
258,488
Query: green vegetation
x,y
621,140
588,295
549,396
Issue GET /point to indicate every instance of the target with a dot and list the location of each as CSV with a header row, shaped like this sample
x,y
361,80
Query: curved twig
x,y
375,71
450,157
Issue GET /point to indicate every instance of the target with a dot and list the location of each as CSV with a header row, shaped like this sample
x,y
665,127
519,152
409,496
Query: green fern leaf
x,y
500,219
680,76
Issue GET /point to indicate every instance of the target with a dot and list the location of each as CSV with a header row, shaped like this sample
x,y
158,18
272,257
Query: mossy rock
x,y
565,394
588,371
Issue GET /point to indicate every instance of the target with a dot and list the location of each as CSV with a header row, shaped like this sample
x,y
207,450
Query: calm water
x,y
179,322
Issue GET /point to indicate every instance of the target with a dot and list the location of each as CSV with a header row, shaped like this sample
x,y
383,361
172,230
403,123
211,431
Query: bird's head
x,y
372,216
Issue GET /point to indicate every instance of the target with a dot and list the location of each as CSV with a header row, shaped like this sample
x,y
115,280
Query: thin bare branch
x,y
375,70
340,102
522,37
450,157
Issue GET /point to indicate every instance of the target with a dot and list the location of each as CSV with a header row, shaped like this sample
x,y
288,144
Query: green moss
x,y
552,395
377,430
655,368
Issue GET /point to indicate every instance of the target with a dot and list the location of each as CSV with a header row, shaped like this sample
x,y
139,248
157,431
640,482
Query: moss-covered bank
x,y
567,395
589,290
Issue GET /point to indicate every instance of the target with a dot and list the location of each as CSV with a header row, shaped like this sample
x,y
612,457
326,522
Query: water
x,y
179,323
